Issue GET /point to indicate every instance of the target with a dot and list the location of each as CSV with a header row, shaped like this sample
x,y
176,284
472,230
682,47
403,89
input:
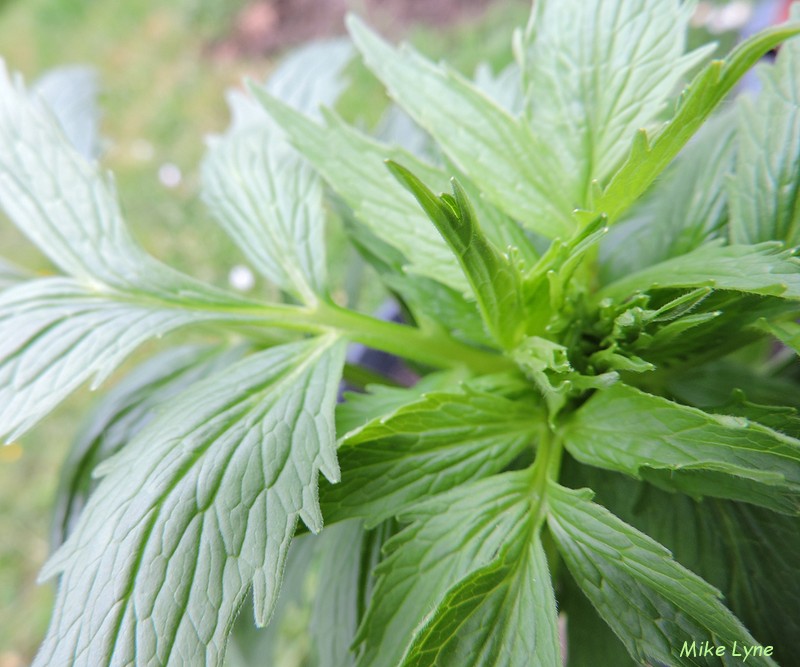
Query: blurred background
x,y
162,69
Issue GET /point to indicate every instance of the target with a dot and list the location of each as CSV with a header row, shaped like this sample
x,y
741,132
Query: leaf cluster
x,y
602,318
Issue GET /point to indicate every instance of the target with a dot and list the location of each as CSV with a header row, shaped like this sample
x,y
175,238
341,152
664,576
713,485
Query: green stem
x,y
546,467
432,348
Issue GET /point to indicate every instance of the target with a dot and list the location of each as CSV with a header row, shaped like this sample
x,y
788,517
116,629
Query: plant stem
x,y
432,348
546,467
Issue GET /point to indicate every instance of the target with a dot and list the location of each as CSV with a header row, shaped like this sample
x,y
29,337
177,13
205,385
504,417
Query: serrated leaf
x,y
766,269
452,535
595,73
207,498
353,165
503,231
680,447
122,413
687,207
516,171
58,332
745,551
439,441
726,322
380,401
765,190
650,155
781,418
431,303
62,202
269,201
495,280
656,607
250,644
55,334
502,615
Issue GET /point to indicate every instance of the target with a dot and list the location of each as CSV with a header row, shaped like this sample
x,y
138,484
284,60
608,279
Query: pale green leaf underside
x,y
627,430
307,79
354,166
505,87
516,171
650,601
55,334
503,615
453,534
765,191
596,72
124,411
310,77
71,93
58,199
269,200
435,443
764,269
197,510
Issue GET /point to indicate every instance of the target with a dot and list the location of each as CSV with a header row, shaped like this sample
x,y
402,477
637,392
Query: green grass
x,y
160,93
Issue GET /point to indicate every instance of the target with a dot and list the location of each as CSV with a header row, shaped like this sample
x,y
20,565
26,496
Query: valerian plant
x,y
603,450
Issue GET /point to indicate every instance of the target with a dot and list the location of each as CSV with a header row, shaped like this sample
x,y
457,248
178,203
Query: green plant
x,y
581,307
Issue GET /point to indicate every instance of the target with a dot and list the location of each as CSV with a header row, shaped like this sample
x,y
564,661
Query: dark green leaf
x,y
502,615
680,447
590,642
745,551
452,535
765,191
495,280
656,607
428,446
766,269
